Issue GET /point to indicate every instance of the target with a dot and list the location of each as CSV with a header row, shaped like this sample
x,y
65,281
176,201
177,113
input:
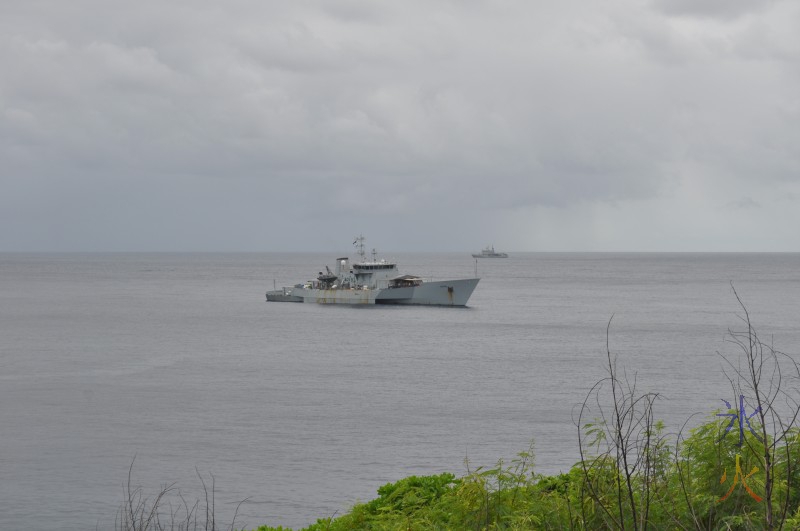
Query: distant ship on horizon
x,y
489,252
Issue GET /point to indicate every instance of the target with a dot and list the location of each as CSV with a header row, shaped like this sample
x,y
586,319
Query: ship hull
x,y
439,293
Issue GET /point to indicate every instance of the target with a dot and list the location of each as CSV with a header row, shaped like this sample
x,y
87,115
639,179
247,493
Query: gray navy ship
x,y
375,282
489,252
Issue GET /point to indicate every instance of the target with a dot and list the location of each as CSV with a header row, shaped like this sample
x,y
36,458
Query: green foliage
x,y
410,494
683,490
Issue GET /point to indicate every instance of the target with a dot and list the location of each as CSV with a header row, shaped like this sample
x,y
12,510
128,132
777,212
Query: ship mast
x,y
359,243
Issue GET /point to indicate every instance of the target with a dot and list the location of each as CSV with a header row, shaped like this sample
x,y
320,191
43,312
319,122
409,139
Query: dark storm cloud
x,y
745,202
724,9
174,125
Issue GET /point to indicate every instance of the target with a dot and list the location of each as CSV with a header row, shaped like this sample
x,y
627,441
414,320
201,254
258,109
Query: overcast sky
x,y
257,125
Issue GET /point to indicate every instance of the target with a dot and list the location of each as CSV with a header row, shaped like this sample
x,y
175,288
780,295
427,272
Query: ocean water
x,y
173,366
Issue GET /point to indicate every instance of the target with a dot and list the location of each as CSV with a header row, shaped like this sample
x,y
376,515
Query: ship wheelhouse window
x,y
372,267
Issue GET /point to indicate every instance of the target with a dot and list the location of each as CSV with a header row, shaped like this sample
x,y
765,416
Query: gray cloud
x,y
721,9
745,202
178,126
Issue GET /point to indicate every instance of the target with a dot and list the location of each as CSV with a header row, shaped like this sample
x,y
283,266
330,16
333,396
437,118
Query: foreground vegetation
x,y
682,491
740,469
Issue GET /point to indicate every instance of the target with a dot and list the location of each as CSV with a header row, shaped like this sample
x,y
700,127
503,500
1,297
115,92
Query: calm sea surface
x,y
177,361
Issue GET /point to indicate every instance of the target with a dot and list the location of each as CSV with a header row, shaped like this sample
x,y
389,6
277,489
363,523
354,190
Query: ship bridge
x,y
372,266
